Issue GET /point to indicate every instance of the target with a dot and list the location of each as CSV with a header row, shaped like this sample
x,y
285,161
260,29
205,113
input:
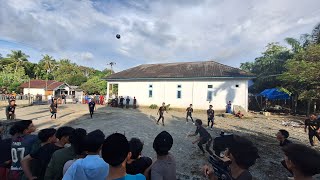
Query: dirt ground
x,y
141,123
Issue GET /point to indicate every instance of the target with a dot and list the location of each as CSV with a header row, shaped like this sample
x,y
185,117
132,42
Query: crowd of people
x,y
121,102
71,154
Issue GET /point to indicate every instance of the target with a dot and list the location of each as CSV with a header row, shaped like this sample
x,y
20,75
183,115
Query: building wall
x,y
33,91
192,92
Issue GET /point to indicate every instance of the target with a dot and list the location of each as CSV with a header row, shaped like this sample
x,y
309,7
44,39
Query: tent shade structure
x,y
274,94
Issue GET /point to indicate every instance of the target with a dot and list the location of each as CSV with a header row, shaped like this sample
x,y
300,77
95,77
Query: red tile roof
x,y
41,84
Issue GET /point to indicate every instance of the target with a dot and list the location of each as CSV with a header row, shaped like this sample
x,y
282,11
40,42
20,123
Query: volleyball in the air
x,y
118,36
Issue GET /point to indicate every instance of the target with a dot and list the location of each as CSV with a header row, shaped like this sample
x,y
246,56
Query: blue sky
x,y
152,31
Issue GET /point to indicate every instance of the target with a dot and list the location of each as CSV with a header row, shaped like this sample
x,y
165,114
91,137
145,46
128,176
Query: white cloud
x,y
155,31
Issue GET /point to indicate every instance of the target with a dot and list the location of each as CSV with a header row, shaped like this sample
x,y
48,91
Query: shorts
x,y
210,119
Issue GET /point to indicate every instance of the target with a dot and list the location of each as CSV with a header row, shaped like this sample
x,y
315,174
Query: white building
x,y
43,87
181,84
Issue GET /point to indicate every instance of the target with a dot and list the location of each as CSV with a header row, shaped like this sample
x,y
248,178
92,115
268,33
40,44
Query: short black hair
x,y
76,139
22,125
243,151
136,147
284,133
305,159
93,141
64,131
13,130
198,121
163,143
115,149
210,105
45,134
190,104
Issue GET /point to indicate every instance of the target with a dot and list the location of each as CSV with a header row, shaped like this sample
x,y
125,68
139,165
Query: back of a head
x,y
13,130
163,143
284,133
64,131
136,147
22,125
243,151
199,122
305,159
93,141
115,149
45,134
77,138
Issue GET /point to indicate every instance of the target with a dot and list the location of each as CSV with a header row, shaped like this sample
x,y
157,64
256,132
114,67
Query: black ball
x,y
118,36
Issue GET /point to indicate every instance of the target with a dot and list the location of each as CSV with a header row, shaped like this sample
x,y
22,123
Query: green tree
x,y
69,72
267,67
48,64
95,85
18,57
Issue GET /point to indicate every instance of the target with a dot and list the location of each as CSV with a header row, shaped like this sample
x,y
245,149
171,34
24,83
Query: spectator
x,y
60,157
303,161
243,155
92,166
5,152
21,146
42,155
137,164
10,110
115,151
165,165
282,137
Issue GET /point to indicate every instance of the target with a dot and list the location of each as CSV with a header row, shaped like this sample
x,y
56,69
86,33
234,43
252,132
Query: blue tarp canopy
x,y
274,94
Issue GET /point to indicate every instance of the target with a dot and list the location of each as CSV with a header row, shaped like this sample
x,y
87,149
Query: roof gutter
x,y
194,78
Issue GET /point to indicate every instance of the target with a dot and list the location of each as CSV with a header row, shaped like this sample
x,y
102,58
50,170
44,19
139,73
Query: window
x,y
209,93
150,93
179,94
237,85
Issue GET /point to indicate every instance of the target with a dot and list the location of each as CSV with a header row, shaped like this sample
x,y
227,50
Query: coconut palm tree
x,y
48,64
18,57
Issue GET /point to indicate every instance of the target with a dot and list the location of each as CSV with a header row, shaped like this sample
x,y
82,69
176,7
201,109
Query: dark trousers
x,y
161,117
91,112
189,115
10,116
54,114
210,120
311,135
127,105
208,144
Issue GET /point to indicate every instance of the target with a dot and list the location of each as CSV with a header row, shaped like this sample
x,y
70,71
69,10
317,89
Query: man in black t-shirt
x,y
42,155
189,113
10,110
210,113
282,136
134,103
121,101
137,163
161,112
54,109
92,107
313,127
127,102
205,137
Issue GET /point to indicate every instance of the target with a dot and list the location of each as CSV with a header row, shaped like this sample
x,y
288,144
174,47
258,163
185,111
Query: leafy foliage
x,y
95,85
153,106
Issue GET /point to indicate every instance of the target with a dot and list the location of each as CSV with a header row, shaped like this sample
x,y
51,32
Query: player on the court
x,y
210,113
161,112
189,113
54,109
92,107
205,137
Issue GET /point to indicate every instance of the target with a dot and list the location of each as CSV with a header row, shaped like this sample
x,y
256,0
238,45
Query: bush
x,y
153,106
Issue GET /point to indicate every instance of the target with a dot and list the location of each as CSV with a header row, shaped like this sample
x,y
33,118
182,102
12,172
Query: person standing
x,y
54,109
10,110
92,107
161,112
210,113
313,128
101,99
205,137
121,102
127,102
228,107
134,103
189,113
63,97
